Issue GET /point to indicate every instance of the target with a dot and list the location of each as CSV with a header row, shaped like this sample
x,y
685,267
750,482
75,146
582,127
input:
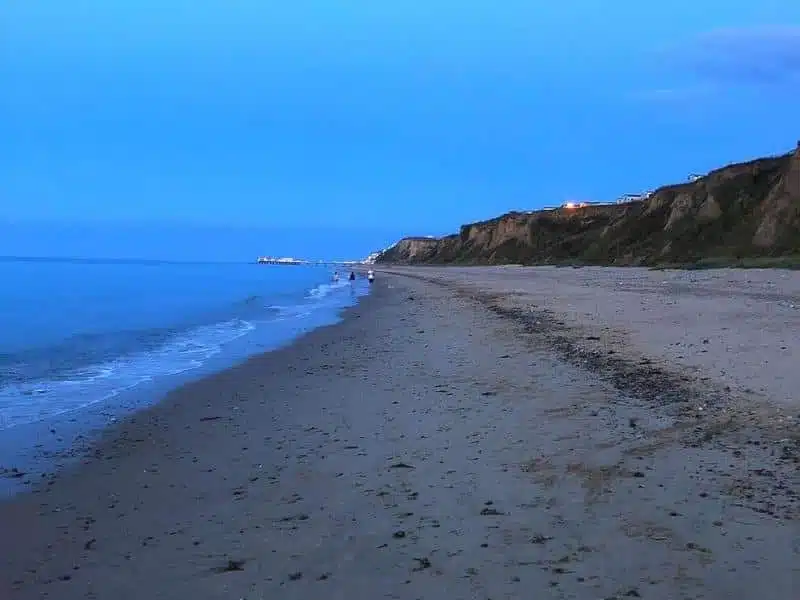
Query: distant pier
x,y
269,260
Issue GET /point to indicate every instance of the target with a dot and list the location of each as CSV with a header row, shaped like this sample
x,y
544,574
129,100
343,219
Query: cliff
x,y
742,211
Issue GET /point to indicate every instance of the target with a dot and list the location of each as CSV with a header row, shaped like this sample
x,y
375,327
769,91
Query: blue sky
x,y
373,119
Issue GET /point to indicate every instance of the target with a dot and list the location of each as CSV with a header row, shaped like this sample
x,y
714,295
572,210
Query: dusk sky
x,y
378,118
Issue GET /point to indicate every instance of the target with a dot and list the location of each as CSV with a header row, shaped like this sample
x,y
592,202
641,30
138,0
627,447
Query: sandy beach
x,y
476,433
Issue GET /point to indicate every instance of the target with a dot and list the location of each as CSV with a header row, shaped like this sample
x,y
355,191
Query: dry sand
x,y
439,443
738,328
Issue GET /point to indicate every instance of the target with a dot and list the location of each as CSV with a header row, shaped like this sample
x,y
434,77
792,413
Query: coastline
x,y
41,448
422,442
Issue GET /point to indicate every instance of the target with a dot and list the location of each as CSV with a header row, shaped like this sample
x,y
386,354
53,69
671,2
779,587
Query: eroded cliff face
x,y
740,211
412,250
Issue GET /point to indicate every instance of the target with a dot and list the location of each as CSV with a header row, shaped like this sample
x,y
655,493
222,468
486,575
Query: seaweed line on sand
x,y
705,413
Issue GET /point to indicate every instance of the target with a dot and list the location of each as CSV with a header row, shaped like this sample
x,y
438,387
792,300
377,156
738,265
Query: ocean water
x,y
77,334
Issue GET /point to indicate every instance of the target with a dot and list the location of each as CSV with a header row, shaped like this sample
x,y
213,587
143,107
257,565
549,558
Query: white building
x,y
634,197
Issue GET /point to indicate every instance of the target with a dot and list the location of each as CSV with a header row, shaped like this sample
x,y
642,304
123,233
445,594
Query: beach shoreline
x,y
34,451
432,439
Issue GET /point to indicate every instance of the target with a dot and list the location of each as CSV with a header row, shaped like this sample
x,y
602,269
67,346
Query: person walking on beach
x,y
352,275
370,275
335,276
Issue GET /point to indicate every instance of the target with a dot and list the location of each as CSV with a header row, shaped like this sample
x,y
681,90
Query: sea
x,y
85,342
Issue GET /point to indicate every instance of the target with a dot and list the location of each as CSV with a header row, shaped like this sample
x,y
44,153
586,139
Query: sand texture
x,y
442,442
736,327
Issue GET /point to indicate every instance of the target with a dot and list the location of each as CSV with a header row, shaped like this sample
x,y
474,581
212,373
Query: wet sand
x,y
441,442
